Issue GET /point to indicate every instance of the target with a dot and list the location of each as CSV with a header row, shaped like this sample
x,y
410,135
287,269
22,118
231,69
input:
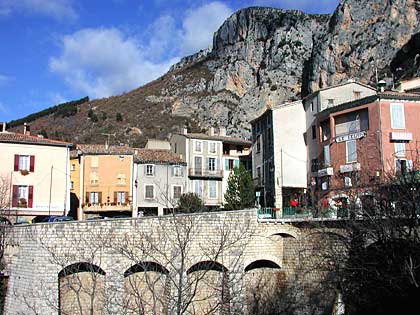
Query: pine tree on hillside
x,y
240,190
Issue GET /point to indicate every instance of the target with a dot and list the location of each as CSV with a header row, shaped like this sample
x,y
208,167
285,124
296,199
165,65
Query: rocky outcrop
x,y
260,56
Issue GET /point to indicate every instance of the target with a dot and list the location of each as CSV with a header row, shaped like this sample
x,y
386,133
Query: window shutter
x,y
16,166
31,197
100,197
115,197
126,197
32,163
87,197
410,165
15,196
236,163
227,165
145,169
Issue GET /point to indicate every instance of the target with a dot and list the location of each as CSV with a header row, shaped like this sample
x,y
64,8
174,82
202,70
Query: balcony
x,y
98,207
204,173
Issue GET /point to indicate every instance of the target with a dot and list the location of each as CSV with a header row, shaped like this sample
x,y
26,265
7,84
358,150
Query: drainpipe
x,y
381,145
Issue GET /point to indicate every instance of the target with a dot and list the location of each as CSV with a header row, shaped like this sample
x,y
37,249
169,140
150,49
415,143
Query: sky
x,y
54,51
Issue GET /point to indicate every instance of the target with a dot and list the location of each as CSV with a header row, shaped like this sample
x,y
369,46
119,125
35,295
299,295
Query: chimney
x,y
184,131
3,127
26,129
222,131
211,131
381,85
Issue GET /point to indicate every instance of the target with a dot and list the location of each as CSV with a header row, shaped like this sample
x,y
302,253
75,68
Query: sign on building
x,y
351,136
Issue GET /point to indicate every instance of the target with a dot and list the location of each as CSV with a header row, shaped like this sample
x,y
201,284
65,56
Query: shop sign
x,y
349,168
351,136
326,172
401,136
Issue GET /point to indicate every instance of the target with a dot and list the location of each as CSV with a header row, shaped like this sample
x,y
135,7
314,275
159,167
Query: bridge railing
x,y
300,213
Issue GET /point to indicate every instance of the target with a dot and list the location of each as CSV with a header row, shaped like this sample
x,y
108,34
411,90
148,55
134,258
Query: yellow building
x,y
74,183
105,185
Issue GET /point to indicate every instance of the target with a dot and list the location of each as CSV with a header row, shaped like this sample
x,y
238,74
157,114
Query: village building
x,y
38,174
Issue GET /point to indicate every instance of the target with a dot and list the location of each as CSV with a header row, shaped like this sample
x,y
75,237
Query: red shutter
x,y
115,197
31,197
100,197
16,168
126,198
15,195
32,163
87,198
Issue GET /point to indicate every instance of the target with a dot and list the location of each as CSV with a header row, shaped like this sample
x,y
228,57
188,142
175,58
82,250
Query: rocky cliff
x,y
260,56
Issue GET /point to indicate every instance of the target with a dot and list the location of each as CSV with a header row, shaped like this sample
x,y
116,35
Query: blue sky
x,y
54,51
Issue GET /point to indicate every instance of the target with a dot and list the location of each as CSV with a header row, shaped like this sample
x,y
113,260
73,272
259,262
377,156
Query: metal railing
x,y
198,172
301,212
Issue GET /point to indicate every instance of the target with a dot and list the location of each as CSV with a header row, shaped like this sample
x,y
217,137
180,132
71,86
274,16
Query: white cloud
x,y
200,24
4,79
57,9
104,62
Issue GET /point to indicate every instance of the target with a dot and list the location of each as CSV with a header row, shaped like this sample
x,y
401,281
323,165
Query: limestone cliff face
x,y
361,35
260,56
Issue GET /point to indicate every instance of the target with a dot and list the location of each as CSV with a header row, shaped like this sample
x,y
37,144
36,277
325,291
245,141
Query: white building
x,y
279,154
38,172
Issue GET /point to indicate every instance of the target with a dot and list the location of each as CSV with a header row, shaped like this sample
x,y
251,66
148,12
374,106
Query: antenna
x,y
107,140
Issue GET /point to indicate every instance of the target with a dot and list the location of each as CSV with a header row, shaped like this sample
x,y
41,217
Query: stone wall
x,y
58,265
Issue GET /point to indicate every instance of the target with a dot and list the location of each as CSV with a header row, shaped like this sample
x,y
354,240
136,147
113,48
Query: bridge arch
x,y
145,283
81,289
146,266
210,279
263,263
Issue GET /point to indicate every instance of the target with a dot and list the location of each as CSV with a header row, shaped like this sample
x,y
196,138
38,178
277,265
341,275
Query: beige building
x,y
106,185
210,158
37,171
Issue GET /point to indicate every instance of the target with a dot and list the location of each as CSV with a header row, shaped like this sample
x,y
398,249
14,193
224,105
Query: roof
x,y
390,95
101,149
157,156
225,139
336,86
275,107
11,137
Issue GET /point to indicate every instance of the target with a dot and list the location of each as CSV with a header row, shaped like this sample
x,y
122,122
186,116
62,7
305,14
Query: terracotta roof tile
x,y
225,139
102,149
12,137
157,156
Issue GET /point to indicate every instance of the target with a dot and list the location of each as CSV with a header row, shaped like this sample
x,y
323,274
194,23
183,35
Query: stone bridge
x,y
201,263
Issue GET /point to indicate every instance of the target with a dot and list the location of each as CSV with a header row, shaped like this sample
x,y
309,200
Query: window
x,y
73,167
121,179
357,95
351,151
313,132
403,166
176,192
23,194
230,164
71,185
94,162
198,188
312,106
212,147
198,165
212,189
176,171
23,162
149,192
198,146
400,149
121,196
397,116
94,198
314,165
327,155
149,170
212,164
94,178
352,122
259,144
259,172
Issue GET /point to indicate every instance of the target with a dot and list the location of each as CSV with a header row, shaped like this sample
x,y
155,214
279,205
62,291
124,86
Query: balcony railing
x,y
198,172
106,206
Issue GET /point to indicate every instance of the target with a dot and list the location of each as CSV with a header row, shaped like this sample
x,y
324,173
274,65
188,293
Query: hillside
x,y
260,56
